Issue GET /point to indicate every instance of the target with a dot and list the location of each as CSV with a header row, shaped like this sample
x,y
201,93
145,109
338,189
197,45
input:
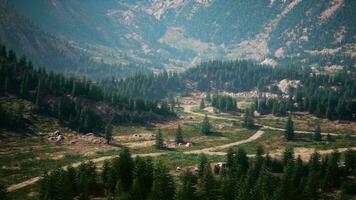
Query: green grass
x,y
273,140
129,130
173,160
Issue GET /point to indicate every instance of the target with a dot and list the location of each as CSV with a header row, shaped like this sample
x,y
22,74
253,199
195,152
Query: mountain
x,y
47,50
172,34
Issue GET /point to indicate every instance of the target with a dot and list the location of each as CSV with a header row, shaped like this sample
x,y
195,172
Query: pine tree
x,y
329,138
188,189
230,159
105,175
108,133
125,170
143,179
289,132
210,190
3,192
241,162
317,134
248,119
202,164
179,135
288,155
332,175
350,160
202,104
206,127
38,102
163,184
159,140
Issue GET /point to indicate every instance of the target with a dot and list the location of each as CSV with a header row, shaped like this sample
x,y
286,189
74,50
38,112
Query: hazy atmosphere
x,y
177,99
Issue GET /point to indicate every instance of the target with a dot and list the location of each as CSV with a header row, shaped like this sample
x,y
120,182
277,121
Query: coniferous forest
x,y
178,100
72,101
241,178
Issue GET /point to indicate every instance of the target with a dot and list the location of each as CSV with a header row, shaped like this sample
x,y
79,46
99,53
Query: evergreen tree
x,y
202,164
288,155
3,192
248,119
329,138
188,189
202,104
163,184
210,190
159,140
289,132
105,175
206,127
317,134
125,170
241,162
108,133
350,160
143,179
332,175
179,135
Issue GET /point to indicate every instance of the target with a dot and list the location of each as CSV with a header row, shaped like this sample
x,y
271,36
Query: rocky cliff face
x,y
180,33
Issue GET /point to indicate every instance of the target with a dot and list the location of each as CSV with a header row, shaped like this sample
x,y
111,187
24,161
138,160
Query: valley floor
x,y
22,166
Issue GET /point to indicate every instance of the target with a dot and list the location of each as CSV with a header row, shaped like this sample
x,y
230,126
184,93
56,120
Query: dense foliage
x,y
241,177
224,103
75,102
154,86
325,95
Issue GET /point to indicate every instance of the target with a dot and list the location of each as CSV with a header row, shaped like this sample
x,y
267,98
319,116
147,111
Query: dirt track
x,y
208,151
188,109
101,159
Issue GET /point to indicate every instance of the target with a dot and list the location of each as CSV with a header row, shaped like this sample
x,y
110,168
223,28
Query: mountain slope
x,y
171,34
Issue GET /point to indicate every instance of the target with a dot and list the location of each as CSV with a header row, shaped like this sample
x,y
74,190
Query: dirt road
x,y
102,159
208,151
188,109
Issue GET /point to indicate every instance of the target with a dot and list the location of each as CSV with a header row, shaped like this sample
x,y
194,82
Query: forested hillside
x,y
76,103
51,52
175,34
319,92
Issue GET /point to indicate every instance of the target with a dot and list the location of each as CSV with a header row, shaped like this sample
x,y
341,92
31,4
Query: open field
x,y
27,158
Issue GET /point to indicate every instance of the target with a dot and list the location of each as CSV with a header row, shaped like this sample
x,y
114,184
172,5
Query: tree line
x,y
72,100
239,178
327,95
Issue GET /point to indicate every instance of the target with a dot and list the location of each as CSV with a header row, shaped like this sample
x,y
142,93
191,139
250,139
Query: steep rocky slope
x,y
180,33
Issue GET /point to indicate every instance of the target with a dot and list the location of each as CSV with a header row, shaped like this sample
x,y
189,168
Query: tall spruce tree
x,y
179,135
317,134
188,189
289,132
159,140
3,192
248,120
206,127
202,104
125,170
163,184
108,133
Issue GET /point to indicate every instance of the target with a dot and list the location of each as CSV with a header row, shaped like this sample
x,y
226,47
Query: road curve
x,y
208,151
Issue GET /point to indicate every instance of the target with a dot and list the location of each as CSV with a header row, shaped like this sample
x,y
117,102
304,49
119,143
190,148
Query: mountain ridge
x,y
179,34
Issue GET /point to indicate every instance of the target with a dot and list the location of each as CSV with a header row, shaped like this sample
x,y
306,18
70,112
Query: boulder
x,y
89,134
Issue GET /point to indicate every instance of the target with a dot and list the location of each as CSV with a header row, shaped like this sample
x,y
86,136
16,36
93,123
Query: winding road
x,y
188,109
209,151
